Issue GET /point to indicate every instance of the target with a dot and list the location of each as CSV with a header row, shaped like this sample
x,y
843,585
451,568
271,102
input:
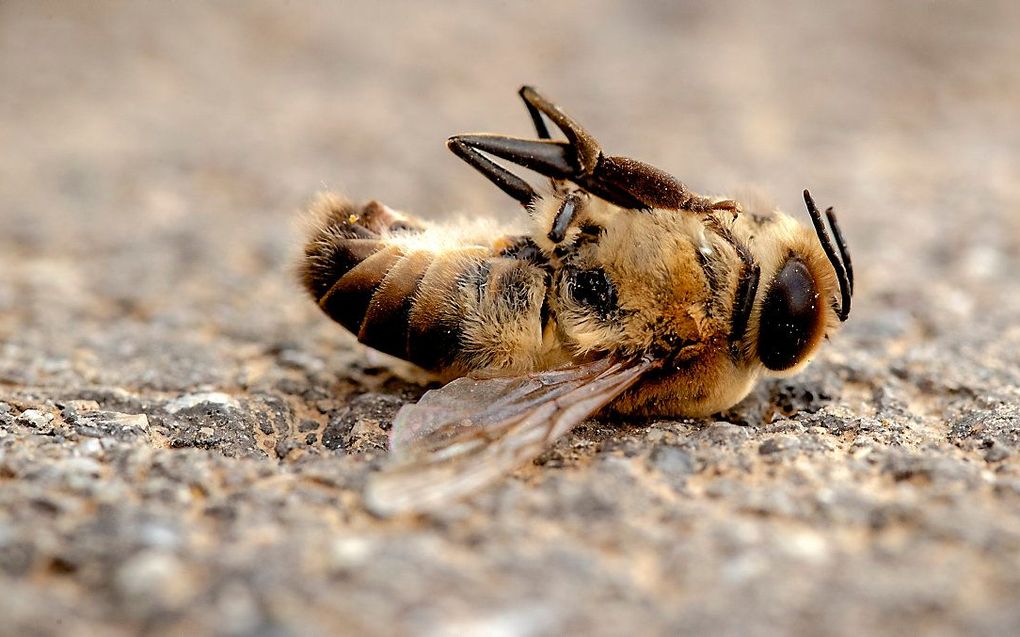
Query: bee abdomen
x,y
385,323
478,311
358,277
436,321
347,301
443,309
368,283
343,238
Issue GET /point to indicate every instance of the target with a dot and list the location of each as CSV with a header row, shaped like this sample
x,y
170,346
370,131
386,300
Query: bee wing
x,y
463,436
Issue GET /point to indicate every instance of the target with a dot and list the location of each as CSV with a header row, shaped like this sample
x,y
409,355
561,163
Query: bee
x,y
625,292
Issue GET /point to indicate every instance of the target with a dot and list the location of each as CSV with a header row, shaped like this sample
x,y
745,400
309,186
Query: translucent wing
x,y
463,436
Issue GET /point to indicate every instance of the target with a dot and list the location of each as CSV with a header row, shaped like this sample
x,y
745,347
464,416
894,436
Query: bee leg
x,y
586,148
505,180
574,160
559,186
626,182
550,158
554,159
622,181
564,216
536,116
634,184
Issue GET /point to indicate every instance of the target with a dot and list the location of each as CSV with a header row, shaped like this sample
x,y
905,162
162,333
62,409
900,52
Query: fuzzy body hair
x,y
479,298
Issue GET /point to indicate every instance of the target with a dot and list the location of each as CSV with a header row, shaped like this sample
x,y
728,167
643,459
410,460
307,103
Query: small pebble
x,y
40,420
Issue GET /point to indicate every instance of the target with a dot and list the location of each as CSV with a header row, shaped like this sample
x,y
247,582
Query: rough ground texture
x,y
184,438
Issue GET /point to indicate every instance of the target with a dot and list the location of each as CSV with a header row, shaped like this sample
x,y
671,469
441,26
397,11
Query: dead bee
x,y
629,290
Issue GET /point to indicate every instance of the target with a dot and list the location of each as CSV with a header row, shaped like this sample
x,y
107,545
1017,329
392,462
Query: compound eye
x,y
790,317
593,289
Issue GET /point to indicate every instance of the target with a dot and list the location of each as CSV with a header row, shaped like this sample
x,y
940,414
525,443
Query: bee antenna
x,y
844,254
841,262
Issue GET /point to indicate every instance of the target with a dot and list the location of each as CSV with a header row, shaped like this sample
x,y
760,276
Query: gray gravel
x,y
184,438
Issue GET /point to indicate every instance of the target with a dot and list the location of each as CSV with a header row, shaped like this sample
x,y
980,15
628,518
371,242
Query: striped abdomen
x,y
376,272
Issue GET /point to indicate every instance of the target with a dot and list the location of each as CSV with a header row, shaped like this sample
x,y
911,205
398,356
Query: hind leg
x,y
622,181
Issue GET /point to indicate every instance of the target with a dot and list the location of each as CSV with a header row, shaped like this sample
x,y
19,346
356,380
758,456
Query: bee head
x,y
806,295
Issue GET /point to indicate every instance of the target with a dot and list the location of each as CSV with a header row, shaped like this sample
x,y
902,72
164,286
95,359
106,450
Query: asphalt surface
x,y
184,437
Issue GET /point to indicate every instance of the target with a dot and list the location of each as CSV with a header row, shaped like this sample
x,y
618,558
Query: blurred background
x,y
154,162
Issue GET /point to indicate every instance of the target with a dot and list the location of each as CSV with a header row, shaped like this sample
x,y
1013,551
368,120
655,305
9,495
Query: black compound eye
x,y
789,317
593,289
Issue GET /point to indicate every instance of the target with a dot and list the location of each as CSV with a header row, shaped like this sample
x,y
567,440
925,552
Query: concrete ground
x,y
184,437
